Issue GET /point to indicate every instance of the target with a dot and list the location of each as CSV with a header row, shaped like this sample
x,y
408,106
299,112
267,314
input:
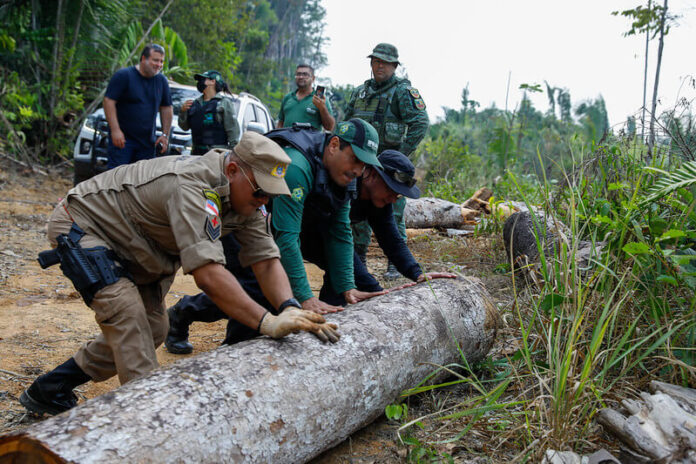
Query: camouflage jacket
x,y
395,109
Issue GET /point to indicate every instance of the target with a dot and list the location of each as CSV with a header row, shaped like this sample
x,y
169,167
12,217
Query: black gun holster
x,y
89,269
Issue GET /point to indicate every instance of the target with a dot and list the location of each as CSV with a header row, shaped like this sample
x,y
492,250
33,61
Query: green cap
x,y
210,75
362,137
385,52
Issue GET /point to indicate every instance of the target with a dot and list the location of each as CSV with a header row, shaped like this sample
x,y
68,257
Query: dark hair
x,y
222,86
305,65
151,47
342,143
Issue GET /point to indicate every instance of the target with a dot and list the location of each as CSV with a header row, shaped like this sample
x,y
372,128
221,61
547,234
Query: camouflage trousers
x,y
362,233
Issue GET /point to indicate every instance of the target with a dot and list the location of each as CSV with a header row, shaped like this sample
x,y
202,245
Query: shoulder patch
x,y
212,196
213,227
414,92
419,103
297,194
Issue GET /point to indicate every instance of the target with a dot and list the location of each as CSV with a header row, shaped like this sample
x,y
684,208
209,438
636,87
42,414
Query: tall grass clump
x,y
584,333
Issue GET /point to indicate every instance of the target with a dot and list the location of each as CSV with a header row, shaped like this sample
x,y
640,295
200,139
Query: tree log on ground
x,y
426,212
271,401
657,428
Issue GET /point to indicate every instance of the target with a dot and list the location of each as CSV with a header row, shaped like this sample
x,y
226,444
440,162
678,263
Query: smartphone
x,y
320,91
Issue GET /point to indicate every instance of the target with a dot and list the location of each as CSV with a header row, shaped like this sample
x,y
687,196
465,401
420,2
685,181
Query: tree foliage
x,y
56,56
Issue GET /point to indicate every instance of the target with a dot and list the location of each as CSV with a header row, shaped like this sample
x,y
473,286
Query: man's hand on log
x,y
294,320
423,278
354,295
435,275
315,305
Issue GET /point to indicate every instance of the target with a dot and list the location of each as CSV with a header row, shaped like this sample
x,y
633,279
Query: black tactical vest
x,y
326,196
206,130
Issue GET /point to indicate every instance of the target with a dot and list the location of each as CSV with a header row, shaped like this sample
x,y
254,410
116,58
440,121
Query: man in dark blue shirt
x,y
134,96
378,189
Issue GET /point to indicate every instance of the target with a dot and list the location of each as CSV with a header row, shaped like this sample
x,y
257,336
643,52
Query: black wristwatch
x,y
289,302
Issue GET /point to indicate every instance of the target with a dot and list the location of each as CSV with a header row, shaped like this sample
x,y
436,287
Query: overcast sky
x,y
445,44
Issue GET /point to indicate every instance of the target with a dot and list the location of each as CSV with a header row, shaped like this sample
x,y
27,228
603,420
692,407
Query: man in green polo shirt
x,y
305,104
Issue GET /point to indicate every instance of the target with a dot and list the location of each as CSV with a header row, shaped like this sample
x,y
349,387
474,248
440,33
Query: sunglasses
x,y
401,177
258,191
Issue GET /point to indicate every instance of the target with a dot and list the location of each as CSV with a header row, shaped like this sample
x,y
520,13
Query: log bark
x,y
273,401
426,213
656,428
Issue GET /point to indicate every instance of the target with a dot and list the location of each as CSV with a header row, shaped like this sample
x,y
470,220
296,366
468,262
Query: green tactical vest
x,y
375,108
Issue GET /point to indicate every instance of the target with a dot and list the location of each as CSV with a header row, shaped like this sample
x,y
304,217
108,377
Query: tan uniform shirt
x,y
156,216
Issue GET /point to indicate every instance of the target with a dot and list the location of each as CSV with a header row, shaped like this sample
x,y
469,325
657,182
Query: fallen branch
x,y
656,428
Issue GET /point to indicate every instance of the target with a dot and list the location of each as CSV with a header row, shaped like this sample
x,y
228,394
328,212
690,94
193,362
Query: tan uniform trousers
x,y
132,319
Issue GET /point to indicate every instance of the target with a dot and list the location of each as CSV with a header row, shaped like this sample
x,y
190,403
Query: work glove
x,y
292,320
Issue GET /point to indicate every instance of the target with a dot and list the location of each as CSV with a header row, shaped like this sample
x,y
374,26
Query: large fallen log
x,y
273,401
657,428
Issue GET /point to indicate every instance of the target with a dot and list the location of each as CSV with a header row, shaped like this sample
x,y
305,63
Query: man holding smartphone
x,y
306,105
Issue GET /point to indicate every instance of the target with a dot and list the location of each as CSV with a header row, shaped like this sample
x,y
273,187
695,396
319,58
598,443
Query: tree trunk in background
x,y
271,401
645,78
653,116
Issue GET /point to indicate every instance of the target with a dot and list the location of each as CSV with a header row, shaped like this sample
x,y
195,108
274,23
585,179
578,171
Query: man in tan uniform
x,y
121,236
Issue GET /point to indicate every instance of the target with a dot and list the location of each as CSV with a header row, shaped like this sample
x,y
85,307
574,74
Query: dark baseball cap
x,y
362,137
398,173
210,75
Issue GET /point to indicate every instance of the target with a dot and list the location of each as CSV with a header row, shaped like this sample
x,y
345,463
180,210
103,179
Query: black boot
x,y
51,393
391,273
177,337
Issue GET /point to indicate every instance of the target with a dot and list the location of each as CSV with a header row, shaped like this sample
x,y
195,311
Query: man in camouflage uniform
x,y
397,111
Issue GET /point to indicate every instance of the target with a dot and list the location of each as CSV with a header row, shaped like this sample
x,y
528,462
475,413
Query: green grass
x,y
588,336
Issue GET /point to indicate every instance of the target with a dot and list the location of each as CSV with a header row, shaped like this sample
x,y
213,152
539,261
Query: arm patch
x,y
416,99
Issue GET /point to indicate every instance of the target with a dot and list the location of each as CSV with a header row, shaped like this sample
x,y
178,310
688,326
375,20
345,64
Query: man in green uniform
x,y
311,224
121,236
397,111
306,104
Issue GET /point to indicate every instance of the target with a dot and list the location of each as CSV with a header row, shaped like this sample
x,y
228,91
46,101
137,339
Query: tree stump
x,y
271,401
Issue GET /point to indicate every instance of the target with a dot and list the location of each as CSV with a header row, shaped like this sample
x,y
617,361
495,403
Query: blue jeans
x,y
132,152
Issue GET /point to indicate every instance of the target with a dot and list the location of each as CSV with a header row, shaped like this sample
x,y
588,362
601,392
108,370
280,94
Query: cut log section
x,y
271,401
426,213
657,428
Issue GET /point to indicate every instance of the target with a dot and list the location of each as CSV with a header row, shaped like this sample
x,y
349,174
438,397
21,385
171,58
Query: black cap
x,y
398,173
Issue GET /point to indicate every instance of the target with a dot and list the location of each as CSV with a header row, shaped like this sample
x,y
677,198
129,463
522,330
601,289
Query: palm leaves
x,y
683,177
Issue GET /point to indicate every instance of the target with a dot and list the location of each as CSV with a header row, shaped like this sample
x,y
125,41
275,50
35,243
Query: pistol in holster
x,y
89,269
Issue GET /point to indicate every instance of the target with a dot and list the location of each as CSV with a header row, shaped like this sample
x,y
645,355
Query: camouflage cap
x,y
385,52
362,137
267,160
210,75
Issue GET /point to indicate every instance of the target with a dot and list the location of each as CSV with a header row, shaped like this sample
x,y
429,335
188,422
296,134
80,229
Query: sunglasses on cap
x,y
401,177
258,191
